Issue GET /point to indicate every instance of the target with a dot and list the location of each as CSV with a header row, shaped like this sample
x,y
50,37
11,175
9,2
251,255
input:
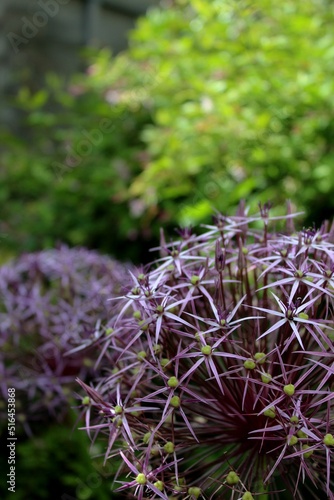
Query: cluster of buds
x,y
218,369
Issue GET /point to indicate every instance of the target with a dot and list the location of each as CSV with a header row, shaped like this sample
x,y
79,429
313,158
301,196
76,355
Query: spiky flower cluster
x,y
49,305
221,366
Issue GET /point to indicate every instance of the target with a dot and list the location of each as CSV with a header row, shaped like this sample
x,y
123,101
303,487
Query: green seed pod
x,y
206,350
177,487
266,378
260,357
146,437
169,447
175,401
118,410
143,325
289,389
141,355
173,382
249,364
293,440
136,413
307,454
164,362
155,451
195,280
117,421
247,496
232,478
194,491
157,348
328,440
159,485
270,412
141,478
198,336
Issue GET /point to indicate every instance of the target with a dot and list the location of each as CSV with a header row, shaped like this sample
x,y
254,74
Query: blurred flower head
x,y
49,305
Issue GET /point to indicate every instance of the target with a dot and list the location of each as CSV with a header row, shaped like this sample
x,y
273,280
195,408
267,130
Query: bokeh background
x,y
122,116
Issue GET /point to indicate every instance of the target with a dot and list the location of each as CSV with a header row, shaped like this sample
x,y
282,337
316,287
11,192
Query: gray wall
x,y
38,36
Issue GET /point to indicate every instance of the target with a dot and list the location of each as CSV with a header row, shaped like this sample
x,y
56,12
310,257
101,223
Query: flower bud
x,y
232,478
194,491
266,378
289,389
195,280
169,447
249,364
270,412
328,440
260,357
175,401
206,350
141,478
247,496
293,440
307,454
173,382
159,485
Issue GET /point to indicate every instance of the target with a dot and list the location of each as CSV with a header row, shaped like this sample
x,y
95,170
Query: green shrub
x,y
243,108
58,186
213,102
56,464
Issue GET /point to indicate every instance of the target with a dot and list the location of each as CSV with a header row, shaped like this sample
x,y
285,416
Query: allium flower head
x,y
221,360
49,305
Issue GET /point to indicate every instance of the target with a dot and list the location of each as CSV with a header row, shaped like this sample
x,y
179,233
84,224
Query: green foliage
x,y
243,107
56,463
213,102
65,181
